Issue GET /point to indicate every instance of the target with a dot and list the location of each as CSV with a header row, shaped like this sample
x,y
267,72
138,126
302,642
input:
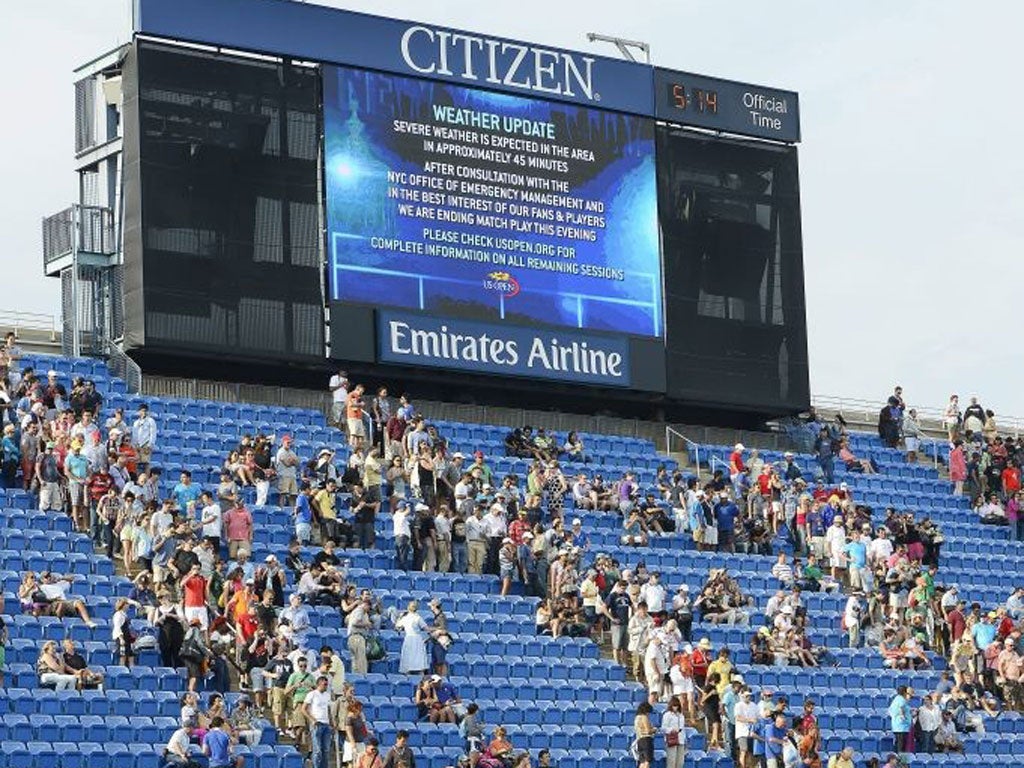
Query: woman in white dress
x,y
415,659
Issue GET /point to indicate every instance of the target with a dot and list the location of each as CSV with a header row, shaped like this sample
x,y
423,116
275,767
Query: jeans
x,y
1020,528
827,464
320,737
403,553
460,557
927,743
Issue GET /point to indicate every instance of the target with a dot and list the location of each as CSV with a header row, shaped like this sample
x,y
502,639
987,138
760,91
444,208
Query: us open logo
x,y
503,283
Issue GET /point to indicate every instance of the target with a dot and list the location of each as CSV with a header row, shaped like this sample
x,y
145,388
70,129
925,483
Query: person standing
x,y
644,732
673,726
900,718
217,745
144,437
358,625
286,463
317,708
929,718
400,755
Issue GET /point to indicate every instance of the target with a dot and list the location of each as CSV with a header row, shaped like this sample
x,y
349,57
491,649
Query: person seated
x,y
244,722
635,529
654,516
500,747
946,738
545,445
428,707
88,679
853,464
48,596
992,512
52,670
760,647
516,445
574,450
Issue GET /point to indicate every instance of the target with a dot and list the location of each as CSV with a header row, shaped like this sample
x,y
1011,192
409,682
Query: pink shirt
x,y
238,524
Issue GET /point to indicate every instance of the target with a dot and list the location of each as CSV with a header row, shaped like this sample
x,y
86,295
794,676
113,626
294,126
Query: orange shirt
x,y
353,406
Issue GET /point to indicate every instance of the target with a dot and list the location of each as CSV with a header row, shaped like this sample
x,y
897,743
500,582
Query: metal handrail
x,y
17,320
870,409
669,432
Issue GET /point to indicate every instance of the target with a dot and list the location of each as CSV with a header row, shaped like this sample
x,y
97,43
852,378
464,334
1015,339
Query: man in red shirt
x,y
238,528
956,622
518,527
1011,479
193,588
737,469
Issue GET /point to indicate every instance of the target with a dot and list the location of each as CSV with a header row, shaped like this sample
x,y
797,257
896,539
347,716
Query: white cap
x,y
577,521
422,507
739,447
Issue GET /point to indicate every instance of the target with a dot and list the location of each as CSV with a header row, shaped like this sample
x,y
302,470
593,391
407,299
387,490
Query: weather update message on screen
x,y
471,204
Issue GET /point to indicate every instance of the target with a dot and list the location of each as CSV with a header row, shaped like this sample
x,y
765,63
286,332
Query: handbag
x,y
672,739
375,650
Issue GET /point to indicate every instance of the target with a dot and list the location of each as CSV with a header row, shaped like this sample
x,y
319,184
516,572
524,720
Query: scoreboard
x,y
486,206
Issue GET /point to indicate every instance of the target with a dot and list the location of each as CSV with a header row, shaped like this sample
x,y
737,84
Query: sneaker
x,y
91,624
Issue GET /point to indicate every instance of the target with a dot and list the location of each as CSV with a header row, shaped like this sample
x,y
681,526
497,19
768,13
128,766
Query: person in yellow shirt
x,y
842,759
723,667
325,503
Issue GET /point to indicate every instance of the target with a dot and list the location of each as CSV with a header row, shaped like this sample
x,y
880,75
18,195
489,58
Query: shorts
x,y
287,485
303,532
743,742
278,702
257,682
337,411
698,535
76,493
356,428
710,535
297,718
198,613
620,636
725,538
506,572
911,444
145,453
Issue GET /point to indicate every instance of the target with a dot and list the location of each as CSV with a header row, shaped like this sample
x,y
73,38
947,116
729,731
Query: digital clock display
x,y
693,99
726,106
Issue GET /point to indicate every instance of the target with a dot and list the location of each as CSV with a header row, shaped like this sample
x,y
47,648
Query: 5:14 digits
x,y
695,99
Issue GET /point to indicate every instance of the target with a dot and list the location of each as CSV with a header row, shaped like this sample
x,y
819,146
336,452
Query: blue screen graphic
x,y
472,204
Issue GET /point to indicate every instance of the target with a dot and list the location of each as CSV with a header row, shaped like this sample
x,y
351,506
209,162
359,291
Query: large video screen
x,y
471,204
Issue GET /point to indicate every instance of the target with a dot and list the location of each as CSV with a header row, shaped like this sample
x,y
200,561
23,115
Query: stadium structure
x,y
276,195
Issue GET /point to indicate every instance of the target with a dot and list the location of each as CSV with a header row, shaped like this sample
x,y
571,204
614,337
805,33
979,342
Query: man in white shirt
x,y
144,436
746,714
176,751
402,529
1015,604
476,540
880,548
929,718
495,529
286,463
339,394
654,594
774,605
851,617
317,708
211,519
443,531
162,519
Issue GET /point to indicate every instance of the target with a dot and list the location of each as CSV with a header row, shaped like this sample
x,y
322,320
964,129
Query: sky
x,y
911,161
